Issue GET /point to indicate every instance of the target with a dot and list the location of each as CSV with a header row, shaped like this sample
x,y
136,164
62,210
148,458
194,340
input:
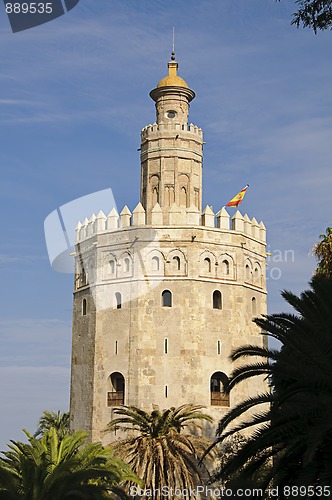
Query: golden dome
x,y
172,79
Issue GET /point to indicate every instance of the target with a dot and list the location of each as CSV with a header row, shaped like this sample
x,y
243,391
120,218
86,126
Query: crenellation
x,y
223,219
156,129
125,216
101,220
177,215
262,232
238,222
193,216
78,231
83,231
255,228
247,225
112,220
208,217
157,215
172,216
138,217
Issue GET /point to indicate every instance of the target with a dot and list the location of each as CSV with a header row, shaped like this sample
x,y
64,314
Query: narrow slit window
x,y
166,391
166,346
217,300
84,307
118,300
116,347
219,347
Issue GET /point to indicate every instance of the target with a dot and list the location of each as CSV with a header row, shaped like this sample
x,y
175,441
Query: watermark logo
x,y
60,226
118,268
24,15
276,262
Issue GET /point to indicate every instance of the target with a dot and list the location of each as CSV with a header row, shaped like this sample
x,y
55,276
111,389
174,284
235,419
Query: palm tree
x,y
61,469
323,252
156,448
58,420
293,440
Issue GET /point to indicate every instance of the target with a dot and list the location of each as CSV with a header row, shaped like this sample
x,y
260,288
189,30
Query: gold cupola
x,y
172,79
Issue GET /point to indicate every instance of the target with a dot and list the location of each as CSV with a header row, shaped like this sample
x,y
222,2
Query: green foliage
x,y
323,252
292,423
58,420
315,14
51,468
158,450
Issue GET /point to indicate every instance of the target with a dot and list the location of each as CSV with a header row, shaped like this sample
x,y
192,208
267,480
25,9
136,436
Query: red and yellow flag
x,y
238,198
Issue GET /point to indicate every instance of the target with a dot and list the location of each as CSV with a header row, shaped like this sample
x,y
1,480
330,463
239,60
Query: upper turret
x,y
172,97
171,151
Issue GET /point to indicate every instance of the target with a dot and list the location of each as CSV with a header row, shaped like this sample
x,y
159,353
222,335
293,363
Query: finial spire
x,y
173,47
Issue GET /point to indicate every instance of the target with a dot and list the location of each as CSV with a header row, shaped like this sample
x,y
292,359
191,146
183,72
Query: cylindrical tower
x,y
165,293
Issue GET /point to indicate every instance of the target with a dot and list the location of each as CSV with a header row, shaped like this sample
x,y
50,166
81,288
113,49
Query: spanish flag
x,y
238,198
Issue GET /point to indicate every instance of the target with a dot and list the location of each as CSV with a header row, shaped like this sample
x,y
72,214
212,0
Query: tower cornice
x,y
168,90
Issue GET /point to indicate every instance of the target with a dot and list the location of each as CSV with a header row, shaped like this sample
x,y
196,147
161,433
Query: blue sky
x,y
73,99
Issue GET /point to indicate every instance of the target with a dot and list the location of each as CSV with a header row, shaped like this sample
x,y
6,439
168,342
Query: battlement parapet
x,y
172,216
155,129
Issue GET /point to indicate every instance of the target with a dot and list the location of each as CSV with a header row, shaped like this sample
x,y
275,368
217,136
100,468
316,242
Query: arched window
x,y
176,263
112,266
257,276
84,307
247,272
217,300
118,300
155,264
116,384
196,197
225,267
183,197
218,382
127,265
166,298
155,196
253,306
207,265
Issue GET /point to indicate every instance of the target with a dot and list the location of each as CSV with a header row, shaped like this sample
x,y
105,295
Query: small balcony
x,y
115,398
219,399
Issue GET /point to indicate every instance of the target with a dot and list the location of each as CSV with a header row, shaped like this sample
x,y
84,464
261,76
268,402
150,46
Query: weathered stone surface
x,y
166,356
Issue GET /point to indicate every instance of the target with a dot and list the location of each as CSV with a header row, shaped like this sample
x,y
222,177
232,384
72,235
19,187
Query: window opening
x,y
118,300
166,298
218,382
217,301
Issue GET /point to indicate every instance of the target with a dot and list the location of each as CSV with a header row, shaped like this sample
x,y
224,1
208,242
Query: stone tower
x,y
165,293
